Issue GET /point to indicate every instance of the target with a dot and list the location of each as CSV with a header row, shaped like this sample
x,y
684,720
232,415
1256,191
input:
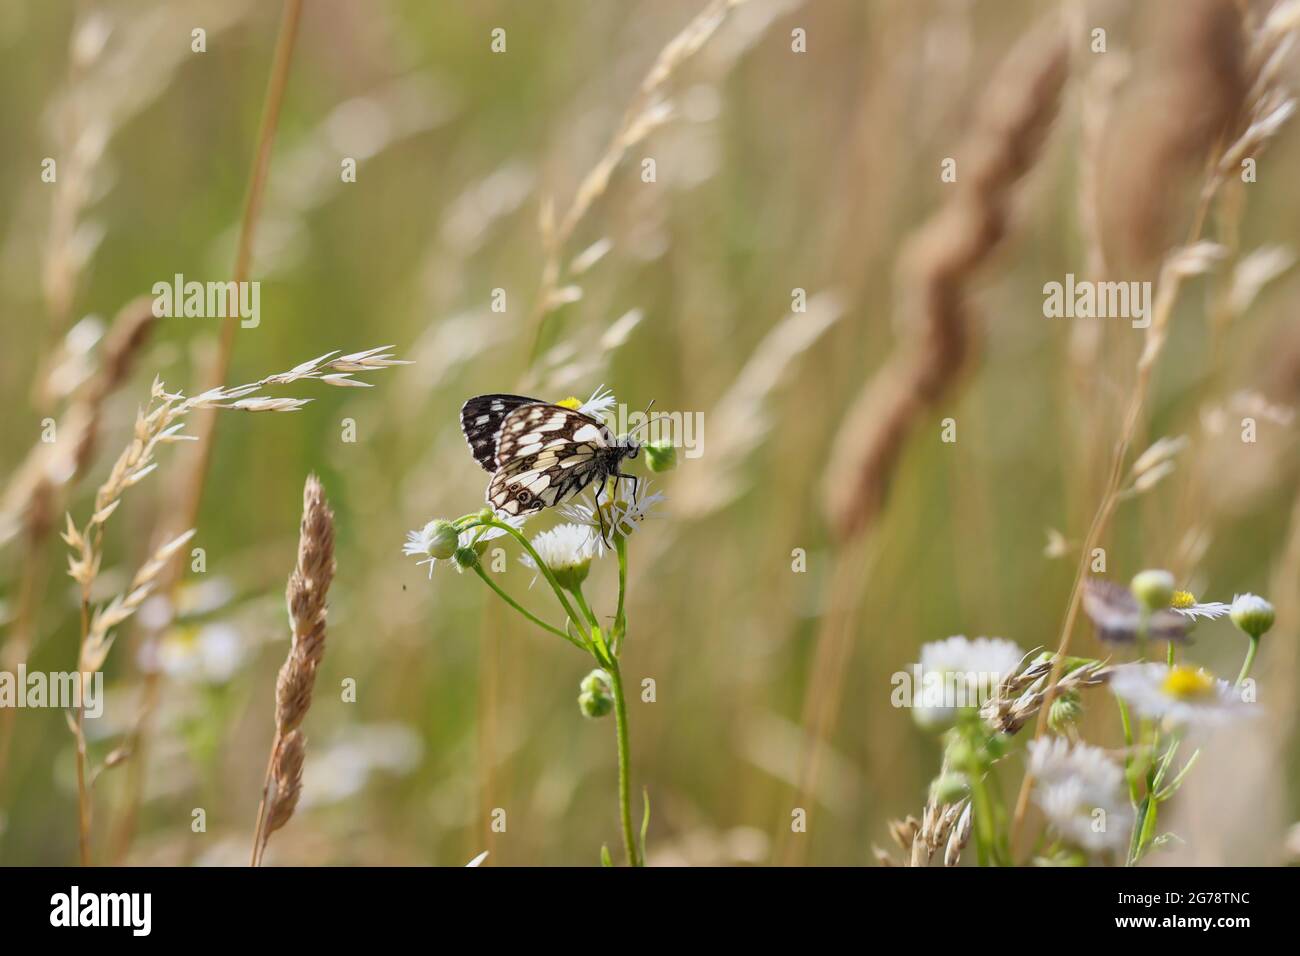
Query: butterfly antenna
x,y
645,423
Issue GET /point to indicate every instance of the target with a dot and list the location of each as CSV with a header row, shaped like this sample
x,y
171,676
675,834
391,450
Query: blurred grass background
x,y
777,171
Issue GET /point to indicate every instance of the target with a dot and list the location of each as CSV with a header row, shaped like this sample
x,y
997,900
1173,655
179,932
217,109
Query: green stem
x,y
478,568
624,765
1248,663
982,808
1128,751
537,559
576,590
1177,782
620,617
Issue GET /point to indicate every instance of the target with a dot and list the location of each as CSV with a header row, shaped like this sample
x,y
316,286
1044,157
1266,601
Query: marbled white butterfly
x,y
541,454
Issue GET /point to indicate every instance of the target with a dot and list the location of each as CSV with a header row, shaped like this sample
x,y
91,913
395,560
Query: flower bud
x,y
465,558
1064,712
597,694
1252,614
1154,589
443,539
949,788
660,455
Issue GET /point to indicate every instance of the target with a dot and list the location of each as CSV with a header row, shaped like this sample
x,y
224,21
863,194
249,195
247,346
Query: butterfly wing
x,y
1115,613
481,418
546,454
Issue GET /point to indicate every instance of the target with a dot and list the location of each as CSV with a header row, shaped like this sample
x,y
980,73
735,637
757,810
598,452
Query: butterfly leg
x,y
600,515
636,484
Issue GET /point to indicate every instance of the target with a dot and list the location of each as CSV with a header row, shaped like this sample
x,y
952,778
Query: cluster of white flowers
x,y
969,668
1081,792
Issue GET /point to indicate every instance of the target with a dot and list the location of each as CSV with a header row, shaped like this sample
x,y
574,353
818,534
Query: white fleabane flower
x,y
958,674
1180,696
1081,792
567,549
601,401
1185,603
434,542
1055,760
621,515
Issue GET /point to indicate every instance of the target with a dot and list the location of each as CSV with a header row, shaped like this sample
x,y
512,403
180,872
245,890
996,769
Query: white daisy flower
x,y
564,546
438,540
621,516
601,401
959,673
1185,603
1081,792
1180,696
567,549
1056,760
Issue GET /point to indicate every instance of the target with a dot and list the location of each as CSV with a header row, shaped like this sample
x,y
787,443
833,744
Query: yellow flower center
x,y
1187,683
570,402
1183,599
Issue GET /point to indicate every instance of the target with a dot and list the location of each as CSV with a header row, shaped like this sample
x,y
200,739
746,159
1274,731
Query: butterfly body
x,y
540,454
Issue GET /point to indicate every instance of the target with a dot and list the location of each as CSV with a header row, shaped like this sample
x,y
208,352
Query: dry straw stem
x,y
97,638
647,112
308,587
191,485
51,465
936,270
161,423
935,273
1268,45
34,493
279,79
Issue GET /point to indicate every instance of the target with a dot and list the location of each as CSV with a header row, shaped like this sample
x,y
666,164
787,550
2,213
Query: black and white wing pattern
x,y
480,420
546,454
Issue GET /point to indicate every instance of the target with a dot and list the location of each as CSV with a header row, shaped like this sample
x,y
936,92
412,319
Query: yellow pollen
x,y
569,402
1188,683
1183,599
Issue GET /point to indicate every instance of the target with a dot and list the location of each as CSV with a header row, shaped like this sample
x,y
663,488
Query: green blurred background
x,y
776,171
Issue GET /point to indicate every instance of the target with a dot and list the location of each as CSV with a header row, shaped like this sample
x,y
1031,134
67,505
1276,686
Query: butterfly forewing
x,y
532,428
481,418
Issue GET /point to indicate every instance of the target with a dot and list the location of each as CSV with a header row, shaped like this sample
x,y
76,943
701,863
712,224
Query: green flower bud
x,y
1154,589
443,539
465,558
597,694
660,455
1064,712
1252,614
571,576
997,746
949,788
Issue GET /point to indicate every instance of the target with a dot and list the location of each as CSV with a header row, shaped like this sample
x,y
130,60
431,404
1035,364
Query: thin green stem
x,y
1177,782
1128,751
537,559
576,590
624,765
1248,663
620,616
478,569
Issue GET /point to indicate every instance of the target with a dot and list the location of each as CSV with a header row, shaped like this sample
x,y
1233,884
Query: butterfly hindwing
x,y
546,454
532,482
481,418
